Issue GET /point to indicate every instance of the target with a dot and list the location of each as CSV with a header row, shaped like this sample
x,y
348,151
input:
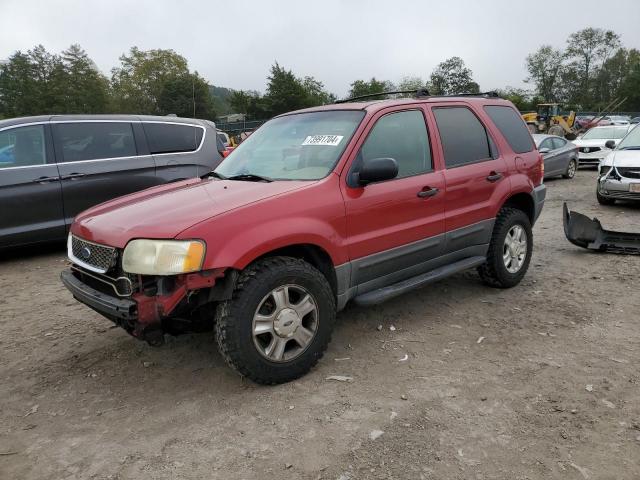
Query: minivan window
x,y
172,138
464,138
95,140
512,127
403,137
22,147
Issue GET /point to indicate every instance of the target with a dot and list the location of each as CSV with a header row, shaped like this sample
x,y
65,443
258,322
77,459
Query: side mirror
x,y
610,144
544,150
377,170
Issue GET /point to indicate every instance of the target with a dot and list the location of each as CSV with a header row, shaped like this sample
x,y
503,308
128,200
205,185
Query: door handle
x,y
428,192
45,179
71,176
494,177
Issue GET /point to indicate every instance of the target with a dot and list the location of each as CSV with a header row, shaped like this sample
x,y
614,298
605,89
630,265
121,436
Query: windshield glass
x,y
304,146
632,140
605,133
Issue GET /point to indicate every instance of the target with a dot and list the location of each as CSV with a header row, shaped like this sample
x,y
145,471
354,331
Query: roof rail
x,y
421,92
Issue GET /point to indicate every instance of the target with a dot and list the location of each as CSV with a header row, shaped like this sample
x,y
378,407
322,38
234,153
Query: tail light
x,y
541,169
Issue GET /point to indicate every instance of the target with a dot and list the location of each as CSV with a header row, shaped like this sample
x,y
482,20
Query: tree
x,y
316,93
285,92
186,96
412,83
85,89
451,77
140,79
522,99
630,83
590,48
544,67
373,86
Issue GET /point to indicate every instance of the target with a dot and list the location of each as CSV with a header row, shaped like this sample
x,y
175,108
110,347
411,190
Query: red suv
x,y
348,202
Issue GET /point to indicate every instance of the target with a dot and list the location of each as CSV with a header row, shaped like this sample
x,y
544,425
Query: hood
x,y
623,158
167,210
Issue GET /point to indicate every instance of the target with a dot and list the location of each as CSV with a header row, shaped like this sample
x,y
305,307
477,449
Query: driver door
x,y
394,227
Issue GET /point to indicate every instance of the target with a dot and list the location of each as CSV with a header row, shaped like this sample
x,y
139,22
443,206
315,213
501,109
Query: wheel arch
x,y
522,201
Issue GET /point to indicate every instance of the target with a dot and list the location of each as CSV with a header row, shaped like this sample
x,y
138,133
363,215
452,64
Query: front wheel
x,y
509,251
571,169
279,321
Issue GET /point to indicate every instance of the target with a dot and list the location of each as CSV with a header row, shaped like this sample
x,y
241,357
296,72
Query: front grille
x,y
590,149
97,256
629,172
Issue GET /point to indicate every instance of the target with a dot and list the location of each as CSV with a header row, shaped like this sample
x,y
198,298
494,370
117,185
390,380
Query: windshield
x,y
304,146
632,140
605,133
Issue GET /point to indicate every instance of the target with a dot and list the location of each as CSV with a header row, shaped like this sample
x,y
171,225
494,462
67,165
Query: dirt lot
x,y
536,382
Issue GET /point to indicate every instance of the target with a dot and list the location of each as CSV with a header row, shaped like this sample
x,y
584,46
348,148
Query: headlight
x,y
163,257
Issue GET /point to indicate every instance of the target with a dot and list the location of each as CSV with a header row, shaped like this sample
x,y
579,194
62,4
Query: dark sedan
x,y
54,167
560,155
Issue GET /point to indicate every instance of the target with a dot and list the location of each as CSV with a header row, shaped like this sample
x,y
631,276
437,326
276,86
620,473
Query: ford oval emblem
x,y
85,253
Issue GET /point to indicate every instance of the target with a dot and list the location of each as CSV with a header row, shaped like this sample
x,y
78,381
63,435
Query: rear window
x,y
95,140
512,128
172,138
464,138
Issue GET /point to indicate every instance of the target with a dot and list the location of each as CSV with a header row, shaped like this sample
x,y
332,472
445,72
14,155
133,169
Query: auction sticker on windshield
x,y
331,140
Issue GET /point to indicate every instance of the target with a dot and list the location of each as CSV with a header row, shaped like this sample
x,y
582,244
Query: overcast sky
x,y
233,43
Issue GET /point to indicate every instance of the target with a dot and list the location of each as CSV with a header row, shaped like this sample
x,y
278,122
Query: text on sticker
x,y
331,140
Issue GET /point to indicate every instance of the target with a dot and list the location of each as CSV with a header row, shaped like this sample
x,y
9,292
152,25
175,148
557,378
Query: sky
x,y
234,43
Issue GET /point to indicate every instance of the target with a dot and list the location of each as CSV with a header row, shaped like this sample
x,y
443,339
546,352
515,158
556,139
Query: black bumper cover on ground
x,y
111,307
584,232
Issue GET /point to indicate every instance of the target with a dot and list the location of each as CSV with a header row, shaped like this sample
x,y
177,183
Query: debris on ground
x,y
480,340
375,434
339,378
405,358
589,388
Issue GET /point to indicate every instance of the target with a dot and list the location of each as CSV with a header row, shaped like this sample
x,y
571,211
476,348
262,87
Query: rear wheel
x,y
279,321
509,250
571,169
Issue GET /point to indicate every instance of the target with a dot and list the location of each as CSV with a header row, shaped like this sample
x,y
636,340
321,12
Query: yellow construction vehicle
x,y
549,120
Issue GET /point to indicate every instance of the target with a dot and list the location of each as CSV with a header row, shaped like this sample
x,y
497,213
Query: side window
x,y
403,137
559,142
464,138
22,147
546,143
512,127
172,138
95,140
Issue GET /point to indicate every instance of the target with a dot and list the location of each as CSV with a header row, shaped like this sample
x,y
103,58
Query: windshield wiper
x,y
250,177
630,148
214,174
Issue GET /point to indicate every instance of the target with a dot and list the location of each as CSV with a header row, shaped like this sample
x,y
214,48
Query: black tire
x,y
571,169
234,319
604,200
494,272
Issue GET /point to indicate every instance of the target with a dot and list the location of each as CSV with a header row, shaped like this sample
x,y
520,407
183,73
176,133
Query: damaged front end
x,y
588,233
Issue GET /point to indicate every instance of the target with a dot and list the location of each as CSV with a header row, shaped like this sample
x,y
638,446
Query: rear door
x,y
176,148
563,154
396,226
552,157
98,161
30,194
474,173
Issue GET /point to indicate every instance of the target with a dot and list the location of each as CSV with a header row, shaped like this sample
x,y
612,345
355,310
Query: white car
x,y
619,119
619,172
592,145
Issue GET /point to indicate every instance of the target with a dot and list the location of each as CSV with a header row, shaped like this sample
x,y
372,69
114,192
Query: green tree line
x,y
591,70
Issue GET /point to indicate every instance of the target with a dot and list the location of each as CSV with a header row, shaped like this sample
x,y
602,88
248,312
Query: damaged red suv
x,y
348,202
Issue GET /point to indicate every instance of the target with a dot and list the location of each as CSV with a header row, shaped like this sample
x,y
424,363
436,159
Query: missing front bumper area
x,y
588,233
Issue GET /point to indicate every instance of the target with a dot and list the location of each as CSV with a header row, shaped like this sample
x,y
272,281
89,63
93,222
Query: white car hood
x,y
597,142
623,158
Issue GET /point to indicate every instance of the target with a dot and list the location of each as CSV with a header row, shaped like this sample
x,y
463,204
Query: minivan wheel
x,y
279,321
509,250
571,169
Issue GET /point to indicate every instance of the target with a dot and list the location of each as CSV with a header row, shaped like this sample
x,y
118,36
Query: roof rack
x,y
420,93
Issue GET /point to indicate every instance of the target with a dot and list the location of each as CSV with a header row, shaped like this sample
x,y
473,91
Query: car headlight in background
x,y
163,257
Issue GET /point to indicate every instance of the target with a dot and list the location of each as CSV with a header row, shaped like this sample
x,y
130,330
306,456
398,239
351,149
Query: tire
x,y
571,169
604,200
270,290
494,272
556,130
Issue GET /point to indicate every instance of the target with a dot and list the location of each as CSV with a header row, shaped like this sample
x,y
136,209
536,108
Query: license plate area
x,y
634,187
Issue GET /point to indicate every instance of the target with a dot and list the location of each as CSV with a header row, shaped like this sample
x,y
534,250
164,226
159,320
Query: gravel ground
x,y
536,382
